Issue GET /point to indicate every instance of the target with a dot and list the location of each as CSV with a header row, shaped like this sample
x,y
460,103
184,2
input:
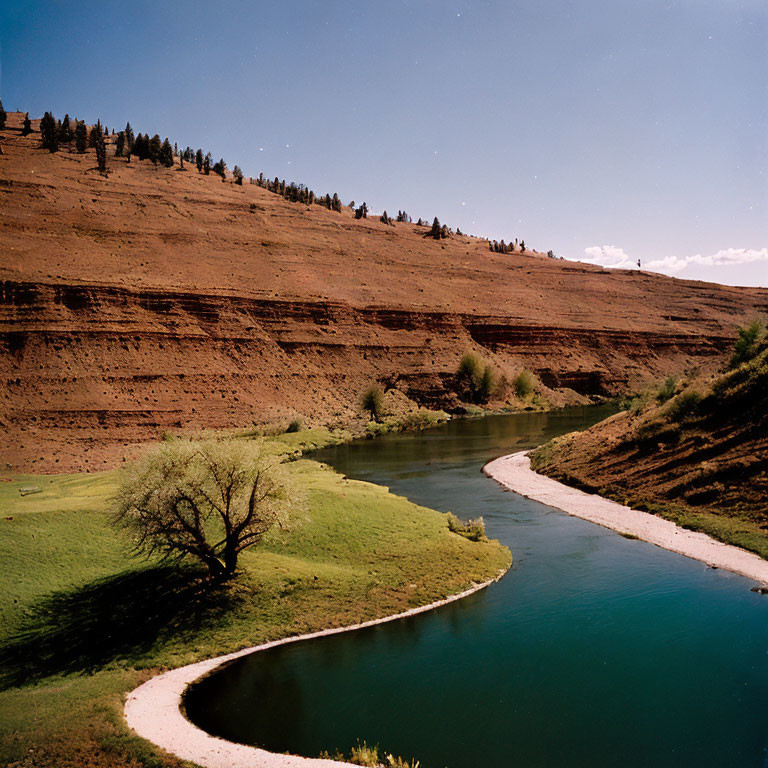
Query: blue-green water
x,y
594,652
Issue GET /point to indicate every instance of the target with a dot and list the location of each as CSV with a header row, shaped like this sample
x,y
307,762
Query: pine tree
x,y
120,144
101,149
207,163
238,175
522,246
3,116
81,137
27,126
95,132
155,145
49,138
199,160
420,223
435,231
220,168
165,154
65,132
129,137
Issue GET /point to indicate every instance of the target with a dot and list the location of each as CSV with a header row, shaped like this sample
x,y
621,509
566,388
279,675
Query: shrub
x,y
524,383
373,402
294,426
474,530
399,762
667,389
423,418
475,380
748,343
362,754
684,405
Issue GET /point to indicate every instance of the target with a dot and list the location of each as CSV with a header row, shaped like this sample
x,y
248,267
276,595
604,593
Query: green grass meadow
x,y
83,621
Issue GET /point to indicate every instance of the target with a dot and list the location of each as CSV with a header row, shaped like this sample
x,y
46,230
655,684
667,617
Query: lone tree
x,y
373,401
207,500
26,128
237,174
435,231
199,160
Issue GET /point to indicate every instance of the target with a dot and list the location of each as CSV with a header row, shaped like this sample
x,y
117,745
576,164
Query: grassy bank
x,y
693,450
82,622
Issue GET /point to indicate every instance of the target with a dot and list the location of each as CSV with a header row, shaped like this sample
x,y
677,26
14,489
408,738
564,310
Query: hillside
x,y
157,299
695,451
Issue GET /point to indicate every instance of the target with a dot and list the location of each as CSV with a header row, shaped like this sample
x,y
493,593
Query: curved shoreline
x,y
153,710
514,472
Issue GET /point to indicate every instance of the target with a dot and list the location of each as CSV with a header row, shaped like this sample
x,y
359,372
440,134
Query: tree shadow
x,y
118,618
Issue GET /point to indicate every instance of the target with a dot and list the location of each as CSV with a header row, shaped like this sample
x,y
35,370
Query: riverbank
x,y
515,473
154,709
82,623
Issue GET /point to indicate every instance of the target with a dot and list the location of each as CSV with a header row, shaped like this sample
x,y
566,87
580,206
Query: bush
x,y
474,530
524,383
748,343
423,418
294,426
373,401
667,389
362,754
684,405
475,380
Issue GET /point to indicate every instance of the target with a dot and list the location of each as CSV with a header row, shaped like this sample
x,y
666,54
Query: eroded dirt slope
x,y
162,299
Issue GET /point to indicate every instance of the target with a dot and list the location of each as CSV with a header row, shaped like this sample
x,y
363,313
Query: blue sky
x,y
608,130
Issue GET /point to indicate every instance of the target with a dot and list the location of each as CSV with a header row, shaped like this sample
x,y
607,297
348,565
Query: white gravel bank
x,y
153,709
514,472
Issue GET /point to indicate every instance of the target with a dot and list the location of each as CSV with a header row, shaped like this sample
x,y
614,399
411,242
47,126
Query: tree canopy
x,y
208,500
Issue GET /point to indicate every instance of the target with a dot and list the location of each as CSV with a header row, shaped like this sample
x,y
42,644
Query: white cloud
x,y
608,256
614,257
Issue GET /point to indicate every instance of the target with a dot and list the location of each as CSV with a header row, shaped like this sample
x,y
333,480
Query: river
x,y
594,651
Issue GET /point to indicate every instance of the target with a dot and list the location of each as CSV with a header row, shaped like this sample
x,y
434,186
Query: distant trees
x,y
437,231
361,212
97,130
207,164
165,154
3,116
155,145
49,135
101,149
386,219
199,160
66,134
26,127
402,216
81,137
237,175
120,144
221,168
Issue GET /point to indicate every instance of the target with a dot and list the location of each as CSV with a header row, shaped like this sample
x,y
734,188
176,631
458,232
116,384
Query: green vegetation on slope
x,y
693,451
82,622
